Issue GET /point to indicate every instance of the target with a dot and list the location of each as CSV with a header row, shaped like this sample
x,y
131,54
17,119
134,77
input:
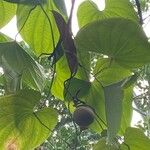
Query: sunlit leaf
x,y
7,11
122,40
20,127
62,74
38,27
88,11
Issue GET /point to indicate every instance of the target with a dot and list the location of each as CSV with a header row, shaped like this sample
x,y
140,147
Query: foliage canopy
x,y
96,68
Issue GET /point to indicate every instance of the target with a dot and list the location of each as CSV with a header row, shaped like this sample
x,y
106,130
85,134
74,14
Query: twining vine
x,y
77,102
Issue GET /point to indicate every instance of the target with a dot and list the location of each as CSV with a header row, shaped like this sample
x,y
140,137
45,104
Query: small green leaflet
x,y
20,126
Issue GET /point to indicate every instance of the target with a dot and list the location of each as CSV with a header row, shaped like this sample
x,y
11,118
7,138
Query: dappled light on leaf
x,y
12,144
38,27
19,126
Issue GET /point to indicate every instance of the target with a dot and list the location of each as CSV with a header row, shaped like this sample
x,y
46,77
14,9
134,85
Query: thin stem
x,y
71,13
139,111
100,118
50,23
99,123
49,129
25,21
139,11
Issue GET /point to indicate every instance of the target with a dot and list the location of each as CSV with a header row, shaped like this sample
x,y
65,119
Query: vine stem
x,y
50,23
139,11
25,21
50,129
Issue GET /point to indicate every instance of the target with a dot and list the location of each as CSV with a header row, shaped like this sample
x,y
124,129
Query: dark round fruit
x,y
83,116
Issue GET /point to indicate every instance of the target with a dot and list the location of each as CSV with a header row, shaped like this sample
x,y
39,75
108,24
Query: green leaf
x,y
76,85
88,11
15,57
7,12
122,40
113,102
13,80
26,2
93,95
101,145
126,109
135,139
38,27
2,80
95,98
130,80
19,126
4,38
109,72
62,74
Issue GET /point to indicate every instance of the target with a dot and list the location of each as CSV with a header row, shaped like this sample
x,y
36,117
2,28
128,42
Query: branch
x,y
138,5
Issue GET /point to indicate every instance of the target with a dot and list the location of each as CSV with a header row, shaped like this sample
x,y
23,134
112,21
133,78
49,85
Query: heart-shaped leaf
x,y
122,40
88,11
7,11
21,126
38,27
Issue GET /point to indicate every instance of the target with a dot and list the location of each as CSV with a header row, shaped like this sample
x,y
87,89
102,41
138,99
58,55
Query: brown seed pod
x,y
83,116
